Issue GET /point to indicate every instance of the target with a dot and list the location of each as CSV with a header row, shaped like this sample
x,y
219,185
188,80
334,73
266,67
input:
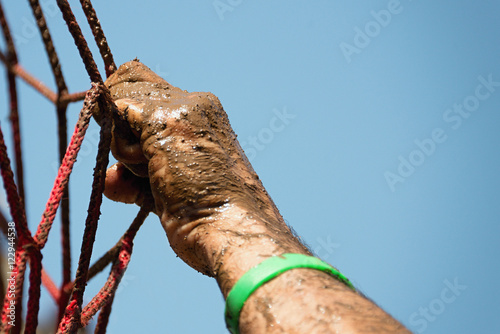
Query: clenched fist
x,y
181,147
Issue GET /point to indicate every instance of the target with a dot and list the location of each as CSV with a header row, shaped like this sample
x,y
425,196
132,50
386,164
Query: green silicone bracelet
x,y
264,272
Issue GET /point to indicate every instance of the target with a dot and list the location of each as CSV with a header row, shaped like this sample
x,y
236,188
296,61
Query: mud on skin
x,y
184,143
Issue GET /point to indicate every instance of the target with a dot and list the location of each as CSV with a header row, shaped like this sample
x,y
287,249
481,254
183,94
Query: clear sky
x,y
374,127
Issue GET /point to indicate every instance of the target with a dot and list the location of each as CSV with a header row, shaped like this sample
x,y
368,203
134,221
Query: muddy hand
x,y
218,218
183,148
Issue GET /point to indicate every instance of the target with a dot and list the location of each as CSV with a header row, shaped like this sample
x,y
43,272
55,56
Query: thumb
x,y
121,185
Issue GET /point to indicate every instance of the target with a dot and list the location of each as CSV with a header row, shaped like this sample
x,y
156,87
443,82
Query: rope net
x,y
27,245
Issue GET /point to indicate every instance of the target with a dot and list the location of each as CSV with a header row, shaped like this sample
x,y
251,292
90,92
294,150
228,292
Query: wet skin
x,y
183,147
219,219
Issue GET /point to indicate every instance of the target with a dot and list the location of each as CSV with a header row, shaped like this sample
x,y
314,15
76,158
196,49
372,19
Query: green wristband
x,y
264,272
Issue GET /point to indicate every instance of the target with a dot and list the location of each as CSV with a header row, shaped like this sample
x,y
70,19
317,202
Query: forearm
x,y
311,301
228,242
217,215
297,301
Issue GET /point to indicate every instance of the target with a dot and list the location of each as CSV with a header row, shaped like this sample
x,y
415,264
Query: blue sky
x,y
374,127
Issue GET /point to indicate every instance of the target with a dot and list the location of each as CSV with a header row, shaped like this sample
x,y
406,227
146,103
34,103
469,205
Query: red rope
x,y
14,113
80,41
72,311
13,297
49,45
99,37
16,134
50,286
105,106
110,286
27,248
66,167
107,292
121,254
15,202
11,50
103,319
61,107
12,305
34,291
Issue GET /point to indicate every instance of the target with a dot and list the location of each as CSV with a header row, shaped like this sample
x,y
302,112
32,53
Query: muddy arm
x,y
215,211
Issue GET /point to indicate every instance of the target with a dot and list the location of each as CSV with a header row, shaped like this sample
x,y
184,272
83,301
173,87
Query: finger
x,y
125,145
121,185
135,71
127,150
131,111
